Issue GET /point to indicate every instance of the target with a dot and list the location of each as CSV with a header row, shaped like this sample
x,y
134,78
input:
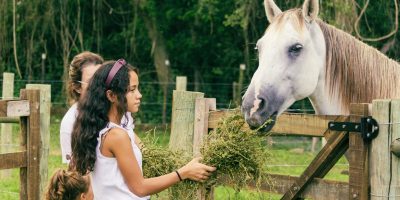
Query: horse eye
x,y
295,49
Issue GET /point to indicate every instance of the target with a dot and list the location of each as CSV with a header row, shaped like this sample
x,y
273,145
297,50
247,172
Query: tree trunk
x,y
15,41
160,56
66,46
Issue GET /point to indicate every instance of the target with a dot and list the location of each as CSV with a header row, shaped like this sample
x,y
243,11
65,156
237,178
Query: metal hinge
x,y
368,127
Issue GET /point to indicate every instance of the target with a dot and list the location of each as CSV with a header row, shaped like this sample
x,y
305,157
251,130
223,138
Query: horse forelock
x,y
355,71
293,16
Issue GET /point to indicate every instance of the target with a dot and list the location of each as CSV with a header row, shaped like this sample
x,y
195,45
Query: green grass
x,y
283,161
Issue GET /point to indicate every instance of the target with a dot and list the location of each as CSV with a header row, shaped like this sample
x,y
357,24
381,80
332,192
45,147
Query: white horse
x,y
301,56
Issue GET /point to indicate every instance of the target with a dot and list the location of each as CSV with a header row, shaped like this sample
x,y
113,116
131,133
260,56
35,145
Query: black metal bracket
x,y
368,127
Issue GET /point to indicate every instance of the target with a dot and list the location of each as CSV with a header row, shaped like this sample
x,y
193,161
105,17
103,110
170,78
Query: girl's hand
x,y
196,171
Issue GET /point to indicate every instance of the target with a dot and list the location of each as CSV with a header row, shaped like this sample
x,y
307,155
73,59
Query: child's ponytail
x,y
66,185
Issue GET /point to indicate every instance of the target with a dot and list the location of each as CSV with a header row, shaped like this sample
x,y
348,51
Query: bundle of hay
x,y
158,161
238,154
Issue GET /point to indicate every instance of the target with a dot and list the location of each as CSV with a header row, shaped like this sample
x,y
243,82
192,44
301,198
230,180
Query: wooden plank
x,y
328,134
181,83
13,160
216,117
8,85
45,106
317,188
198,135
23,172
202,109
395,167
287,123
199,125
17,108
326,158
182,122
10,108
380,161
34,145
9,120
211,105
358,157
6,129
3,108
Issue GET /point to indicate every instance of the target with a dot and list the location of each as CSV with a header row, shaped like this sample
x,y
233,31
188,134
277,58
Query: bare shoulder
x,y
115,141
117,135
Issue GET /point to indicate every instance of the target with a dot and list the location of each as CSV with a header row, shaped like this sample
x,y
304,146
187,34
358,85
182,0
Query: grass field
x,y
290,156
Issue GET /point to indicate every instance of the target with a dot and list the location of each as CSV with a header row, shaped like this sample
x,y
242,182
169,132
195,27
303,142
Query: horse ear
x,y
271,9
310,10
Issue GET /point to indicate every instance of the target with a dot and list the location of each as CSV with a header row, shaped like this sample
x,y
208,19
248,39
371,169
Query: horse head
x,y
291,63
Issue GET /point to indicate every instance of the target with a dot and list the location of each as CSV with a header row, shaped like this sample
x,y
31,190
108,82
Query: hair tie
x,y
179,176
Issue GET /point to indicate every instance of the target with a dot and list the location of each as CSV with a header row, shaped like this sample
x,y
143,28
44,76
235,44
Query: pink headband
x,y
116,67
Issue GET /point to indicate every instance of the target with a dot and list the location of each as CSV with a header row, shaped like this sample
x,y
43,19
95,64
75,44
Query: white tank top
x,y
107,180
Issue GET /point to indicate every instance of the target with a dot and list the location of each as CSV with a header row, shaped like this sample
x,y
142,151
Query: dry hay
x,y
238,154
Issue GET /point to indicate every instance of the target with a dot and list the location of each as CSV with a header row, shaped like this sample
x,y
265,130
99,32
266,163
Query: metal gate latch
x,y
368,127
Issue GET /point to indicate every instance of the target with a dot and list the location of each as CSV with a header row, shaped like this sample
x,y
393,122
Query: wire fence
x,y
153,104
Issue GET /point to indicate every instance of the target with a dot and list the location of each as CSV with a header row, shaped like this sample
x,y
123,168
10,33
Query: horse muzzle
x,y
261,123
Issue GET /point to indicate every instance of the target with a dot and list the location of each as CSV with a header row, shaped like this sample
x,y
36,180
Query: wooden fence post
x,y
45,107
182,122
33,146
237,87
384,166
23,171
181,83
395,161
358,156
6,129
203,107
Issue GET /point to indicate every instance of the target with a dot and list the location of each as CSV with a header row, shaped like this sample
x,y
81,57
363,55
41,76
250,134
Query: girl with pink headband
x,y
101,146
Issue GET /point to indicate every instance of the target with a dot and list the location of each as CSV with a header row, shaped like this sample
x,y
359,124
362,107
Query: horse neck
x,y
325,103
355,73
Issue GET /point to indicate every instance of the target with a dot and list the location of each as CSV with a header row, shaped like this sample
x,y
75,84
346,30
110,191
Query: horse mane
x,y
358,72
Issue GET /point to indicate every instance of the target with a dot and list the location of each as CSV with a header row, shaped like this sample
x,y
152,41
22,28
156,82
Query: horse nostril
x,y
261,104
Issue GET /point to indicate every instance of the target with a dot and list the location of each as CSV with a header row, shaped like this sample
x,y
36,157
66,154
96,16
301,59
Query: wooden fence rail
x,y
28,159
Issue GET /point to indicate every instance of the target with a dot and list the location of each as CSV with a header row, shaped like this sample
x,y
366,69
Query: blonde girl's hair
x,y
66,185
79,62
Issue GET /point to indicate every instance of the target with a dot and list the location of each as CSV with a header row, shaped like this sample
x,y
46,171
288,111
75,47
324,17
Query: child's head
x,y
69,185
81,70
113,87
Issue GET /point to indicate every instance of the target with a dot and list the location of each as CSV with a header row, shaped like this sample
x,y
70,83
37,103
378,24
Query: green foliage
x,y
206,40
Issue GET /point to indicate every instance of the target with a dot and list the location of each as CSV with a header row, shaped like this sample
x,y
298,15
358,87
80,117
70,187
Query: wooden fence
x,y
374,173
32,112
26,112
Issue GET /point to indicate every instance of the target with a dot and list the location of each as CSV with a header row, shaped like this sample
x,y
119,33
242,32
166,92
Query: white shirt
x,y
67,125
107,180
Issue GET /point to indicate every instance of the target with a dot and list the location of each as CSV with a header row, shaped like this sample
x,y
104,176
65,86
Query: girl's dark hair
x,y
66,185
79,62
93,114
